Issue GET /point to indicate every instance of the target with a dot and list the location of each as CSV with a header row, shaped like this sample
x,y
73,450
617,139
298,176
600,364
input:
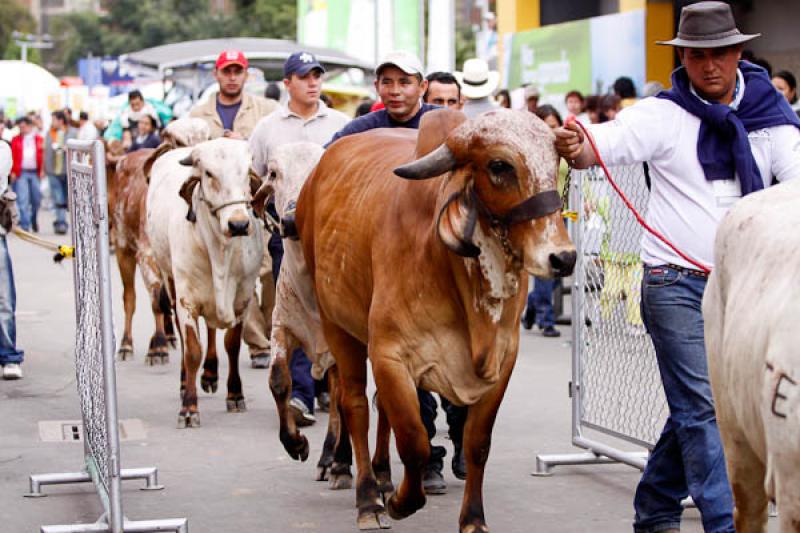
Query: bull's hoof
x,y
322,473
188,420
156,357
475,528
372,520
399,512
260,360
296,447
340,477
209,383
125,352
172,340
236,405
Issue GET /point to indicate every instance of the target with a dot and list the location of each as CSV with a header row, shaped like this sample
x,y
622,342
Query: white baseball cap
x,y
405,61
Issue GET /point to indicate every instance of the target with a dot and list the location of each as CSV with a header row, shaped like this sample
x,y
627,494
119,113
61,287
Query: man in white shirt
x,y
718,134
303,118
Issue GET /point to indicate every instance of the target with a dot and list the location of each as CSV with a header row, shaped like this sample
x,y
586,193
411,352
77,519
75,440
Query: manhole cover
x,y
72,430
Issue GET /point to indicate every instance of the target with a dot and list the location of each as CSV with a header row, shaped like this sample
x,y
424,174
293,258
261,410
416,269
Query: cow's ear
x,y
186,192
434,128
260,191
162,149
456,223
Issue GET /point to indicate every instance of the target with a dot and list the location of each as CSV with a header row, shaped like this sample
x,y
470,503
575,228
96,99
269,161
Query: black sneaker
x,y
35,226
459,463
433,482
550,331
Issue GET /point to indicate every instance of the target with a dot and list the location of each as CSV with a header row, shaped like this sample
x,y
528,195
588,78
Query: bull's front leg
x,y
233,344
209,380
477,442
398,398
280,384
127,271
189,415
380,460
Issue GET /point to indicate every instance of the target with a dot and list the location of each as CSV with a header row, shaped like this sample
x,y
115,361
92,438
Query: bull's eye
x,y
500,167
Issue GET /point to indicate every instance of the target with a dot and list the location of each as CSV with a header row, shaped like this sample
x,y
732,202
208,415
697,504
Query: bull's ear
x,y
434,128
456,223
162,149
255,181
260,191
186,192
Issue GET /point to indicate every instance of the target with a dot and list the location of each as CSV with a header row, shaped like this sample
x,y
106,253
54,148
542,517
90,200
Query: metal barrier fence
x,y
94,353
616,389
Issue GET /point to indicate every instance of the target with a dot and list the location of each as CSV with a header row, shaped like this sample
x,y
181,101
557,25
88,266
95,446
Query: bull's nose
x,y
238,227
563,263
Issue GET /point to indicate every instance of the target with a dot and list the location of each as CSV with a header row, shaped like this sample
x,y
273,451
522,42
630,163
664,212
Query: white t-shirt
x,y
684,206
29,152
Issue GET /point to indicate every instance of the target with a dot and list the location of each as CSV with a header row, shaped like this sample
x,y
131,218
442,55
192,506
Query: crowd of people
x,y
695,174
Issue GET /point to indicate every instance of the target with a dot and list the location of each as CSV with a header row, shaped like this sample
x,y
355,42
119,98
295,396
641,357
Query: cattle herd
x,y
410,250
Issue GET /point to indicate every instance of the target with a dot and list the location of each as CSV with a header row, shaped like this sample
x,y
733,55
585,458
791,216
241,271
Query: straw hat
x,y
477,81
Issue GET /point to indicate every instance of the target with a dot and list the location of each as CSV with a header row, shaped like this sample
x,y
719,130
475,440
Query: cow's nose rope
x,y
628,203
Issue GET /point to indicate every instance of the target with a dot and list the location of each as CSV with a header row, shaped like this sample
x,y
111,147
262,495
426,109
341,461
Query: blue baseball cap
x,y
301,63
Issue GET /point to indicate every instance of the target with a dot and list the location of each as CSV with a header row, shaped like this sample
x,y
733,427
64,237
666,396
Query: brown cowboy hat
x,y
708,25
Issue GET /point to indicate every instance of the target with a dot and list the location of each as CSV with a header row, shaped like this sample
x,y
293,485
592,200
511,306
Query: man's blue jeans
x,y
58,192
29,196
541,299
688,458
8,306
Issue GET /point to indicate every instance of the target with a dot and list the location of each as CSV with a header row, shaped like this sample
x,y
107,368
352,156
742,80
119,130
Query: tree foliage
x,y
131,25
14,16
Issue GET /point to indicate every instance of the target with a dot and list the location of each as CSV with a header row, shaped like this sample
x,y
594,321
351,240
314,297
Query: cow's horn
x,y
187,161
435,163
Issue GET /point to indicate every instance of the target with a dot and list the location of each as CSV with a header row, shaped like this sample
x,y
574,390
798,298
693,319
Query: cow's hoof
x,y
156,357
322,473
296,447
473,528
172,340
209,383
124,353
340,481
236,406
372,520
399,512
188,420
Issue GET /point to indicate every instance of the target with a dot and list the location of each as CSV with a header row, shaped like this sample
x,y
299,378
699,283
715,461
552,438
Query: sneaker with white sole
x,y
302,416
12,371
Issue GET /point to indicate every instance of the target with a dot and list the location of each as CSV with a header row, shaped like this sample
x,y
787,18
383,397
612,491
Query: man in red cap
x,y
231,112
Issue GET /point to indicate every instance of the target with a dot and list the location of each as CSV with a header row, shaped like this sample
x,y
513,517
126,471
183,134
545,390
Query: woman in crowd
x,y
146,134
786,84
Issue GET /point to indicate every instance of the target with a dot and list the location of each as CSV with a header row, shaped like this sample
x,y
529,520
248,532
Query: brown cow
x,y
427,279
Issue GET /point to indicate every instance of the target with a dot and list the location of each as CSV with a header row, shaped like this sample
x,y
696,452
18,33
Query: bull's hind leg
x,y
189,415
283,344
381,460
233,344
351,362
333,438
477,442
398,397
166,310
127,271
747,473
158,350
209,380
341,475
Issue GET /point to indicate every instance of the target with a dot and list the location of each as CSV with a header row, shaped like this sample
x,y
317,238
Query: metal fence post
x,y
94,353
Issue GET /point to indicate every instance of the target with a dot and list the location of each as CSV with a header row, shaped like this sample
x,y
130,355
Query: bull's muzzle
x,y
238,228
563,263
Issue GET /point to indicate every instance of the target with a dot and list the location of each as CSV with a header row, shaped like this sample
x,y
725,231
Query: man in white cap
x,y
10,357
400,83
478,84
720,133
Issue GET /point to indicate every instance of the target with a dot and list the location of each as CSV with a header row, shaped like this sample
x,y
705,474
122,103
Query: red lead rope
x,y
628,203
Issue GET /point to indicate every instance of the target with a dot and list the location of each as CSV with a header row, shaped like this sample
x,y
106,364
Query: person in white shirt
x,y
720,133
87,130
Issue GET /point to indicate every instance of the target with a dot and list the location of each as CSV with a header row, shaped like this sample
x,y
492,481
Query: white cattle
x,y
751,309
208,246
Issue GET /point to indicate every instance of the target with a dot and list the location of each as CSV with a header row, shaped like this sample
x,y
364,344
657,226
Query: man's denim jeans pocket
x,y
661,276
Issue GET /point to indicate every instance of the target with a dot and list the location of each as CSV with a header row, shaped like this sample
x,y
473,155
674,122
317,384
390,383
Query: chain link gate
x,y
616,388
94,353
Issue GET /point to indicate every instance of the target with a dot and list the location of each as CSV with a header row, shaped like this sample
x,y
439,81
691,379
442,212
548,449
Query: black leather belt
x,y
688,271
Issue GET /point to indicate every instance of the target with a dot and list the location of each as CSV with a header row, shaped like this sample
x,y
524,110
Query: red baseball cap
x,y
231,57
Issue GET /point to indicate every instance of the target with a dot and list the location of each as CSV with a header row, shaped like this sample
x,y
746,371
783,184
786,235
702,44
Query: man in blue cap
x,y
304,117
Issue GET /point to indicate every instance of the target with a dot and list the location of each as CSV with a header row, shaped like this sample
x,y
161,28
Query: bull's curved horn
x,y
187,161
435,163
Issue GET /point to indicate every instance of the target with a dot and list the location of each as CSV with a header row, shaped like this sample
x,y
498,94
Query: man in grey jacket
x,y
55,165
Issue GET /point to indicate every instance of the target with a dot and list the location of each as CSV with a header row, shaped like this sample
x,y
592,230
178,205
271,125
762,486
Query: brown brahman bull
x,y
426,277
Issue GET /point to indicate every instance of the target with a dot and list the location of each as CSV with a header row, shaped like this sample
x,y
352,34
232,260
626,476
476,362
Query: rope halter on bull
x,y
441,161
187,192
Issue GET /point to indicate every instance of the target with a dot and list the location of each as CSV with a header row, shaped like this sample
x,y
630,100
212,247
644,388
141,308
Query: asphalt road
x,y
232,474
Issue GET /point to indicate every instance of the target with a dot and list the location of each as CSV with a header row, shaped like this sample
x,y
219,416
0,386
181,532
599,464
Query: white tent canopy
x,y
25,86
